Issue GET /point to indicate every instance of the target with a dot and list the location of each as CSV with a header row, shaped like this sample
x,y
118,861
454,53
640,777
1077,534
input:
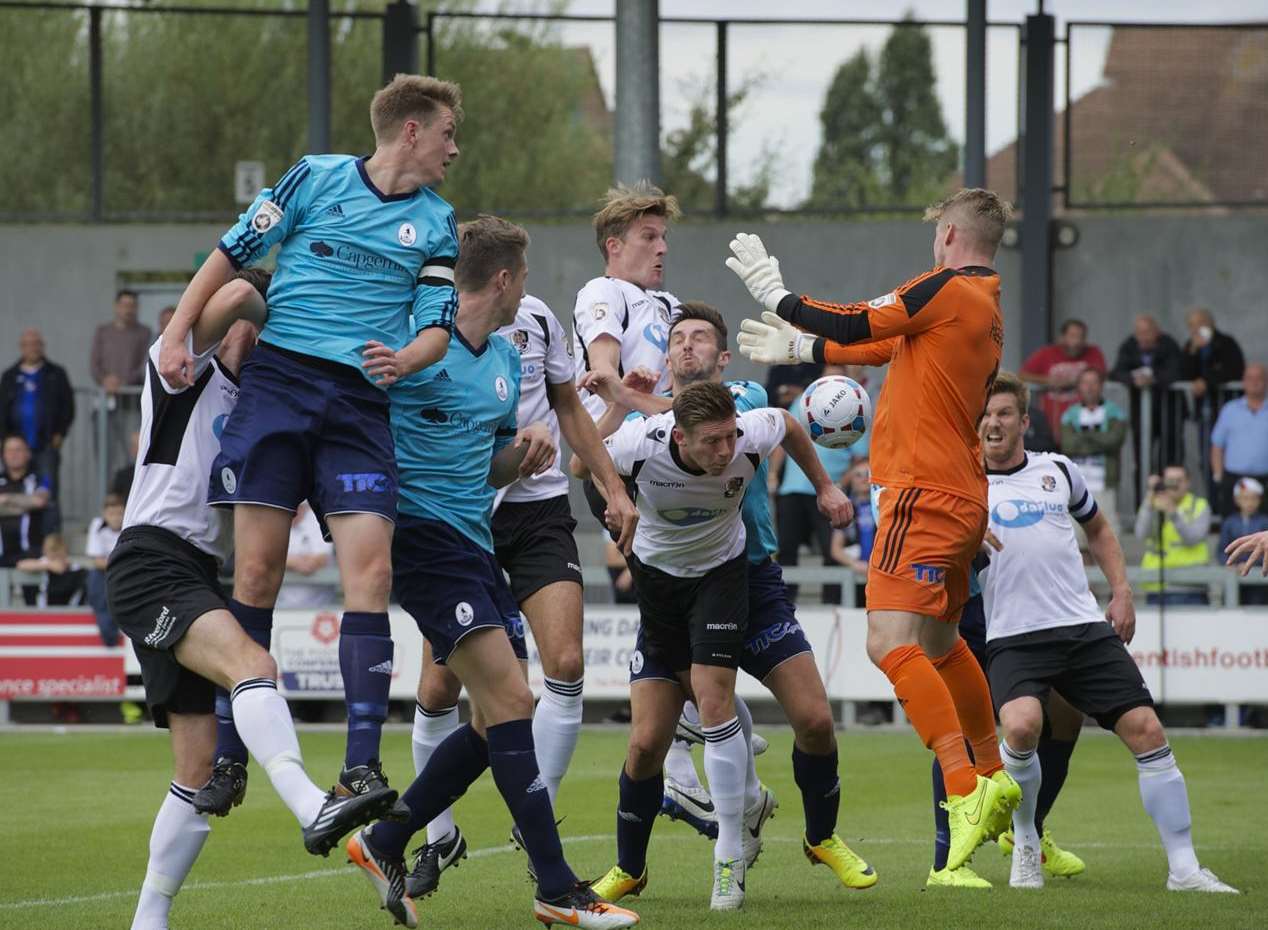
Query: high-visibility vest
x,y
1175,552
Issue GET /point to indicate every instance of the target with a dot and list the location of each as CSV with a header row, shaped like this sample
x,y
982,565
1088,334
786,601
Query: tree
x,y
885,142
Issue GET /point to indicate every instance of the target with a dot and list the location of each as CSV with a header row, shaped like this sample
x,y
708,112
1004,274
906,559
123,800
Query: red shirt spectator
x,y
1058,367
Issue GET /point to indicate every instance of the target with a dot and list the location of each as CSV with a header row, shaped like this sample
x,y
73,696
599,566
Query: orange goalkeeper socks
x,y
928,704
972,697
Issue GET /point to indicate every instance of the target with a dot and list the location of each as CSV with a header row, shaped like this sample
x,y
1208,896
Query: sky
x,y
793,65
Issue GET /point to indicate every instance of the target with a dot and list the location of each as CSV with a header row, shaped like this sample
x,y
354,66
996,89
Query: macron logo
x,y
383,668
628,817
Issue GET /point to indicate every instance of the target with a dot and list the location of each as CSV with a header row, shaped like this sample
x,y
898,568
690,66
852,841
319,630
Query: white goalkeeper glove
x,y
775,341
758,271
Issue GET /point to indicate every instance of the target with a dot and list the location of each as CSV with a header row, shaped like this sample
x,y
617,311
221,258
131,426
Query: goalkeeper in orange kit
x,y
941,334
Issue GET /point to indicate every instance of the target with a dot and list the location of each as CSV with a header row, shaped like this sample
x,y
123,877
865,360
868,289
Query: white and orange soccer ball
x,y
836,411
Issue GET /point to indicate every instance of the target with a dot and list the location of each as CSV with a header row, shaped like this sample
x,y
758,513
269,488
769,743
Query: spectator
x,y
121,482
1249,495
1173,523
164,317
797,517
119,353
103,533
619,572
1057,367
1211,359
36,402
1239,441
852,546
61,580
1149,360
308,554
24,496
784,383
1092,434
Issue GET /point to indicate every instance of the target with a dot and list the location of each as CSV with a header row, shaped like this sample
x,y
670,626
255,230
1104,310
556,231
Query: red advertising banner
x,y
57,656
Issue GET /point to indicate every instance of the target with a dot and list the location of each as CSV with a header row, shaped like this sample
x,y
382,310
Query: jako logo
x,y
1016,514
373,482
929,573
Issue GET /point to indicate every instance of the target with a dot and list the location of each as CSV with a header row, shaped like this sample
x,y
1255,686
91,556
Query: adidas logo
x,y
537,785
443,375
336,211
383,668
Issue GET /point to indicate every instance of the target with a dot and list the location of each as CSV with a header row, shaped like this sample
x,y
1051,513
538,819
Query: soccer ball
x,y
836,411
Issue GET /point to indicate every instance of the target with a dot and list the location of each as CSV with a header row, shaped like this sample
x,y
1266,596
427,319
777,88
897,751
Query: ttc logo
x,y
930,574
373,482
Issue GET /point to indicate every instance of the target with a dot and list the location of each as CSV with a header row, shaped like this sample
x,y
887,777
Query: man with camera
x,y
1174,523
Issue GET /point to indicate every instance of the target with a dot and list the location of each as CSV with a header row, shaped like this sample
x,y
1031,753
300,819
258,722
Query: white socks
x,y
679,766
556,726
1024,767
1167,801
265,725
431,727
752,786
725,751
175,842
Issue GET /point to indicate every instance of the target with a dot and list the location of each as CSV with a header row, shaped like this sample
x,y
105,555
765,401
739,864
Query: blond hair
x,y
487,245
981,213
412,96
702,402
1008,383
623,205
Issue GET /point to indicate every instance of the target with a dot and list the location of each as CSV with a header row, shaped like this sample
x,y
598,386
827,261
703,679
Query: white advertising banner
x,y
1192,655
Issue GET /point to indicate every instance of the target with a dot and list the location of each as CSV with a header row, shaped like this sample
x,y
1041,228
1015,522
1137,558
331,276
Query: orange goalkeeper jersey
x,y
942,334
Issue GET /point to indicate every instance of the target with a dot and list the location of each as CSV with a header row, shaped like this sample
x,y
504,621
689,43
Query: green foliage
x,y
885,142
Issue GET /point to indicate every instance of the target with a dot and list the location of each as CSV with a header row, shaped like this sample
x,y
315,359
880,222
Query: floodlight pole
x,y
1036,196
637,133
975,94
400,40
318,76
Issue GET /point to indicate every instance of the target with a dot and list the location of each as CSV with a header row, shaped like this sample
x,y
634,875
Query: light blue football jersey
x,y
448,421
353,263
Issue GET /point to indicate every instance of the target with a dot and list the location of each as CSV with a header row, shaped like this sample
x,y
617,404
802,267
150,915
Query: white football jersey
x,y
637,319
180,438
689,521
545,357
1037,581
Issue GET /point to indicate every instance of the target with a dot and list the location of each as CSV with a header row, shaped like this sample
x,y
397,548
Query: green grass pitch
x,y
77,810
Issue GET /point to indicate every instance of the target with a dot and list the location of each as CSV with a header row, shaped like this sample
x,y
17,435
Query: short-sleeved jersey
x,y
545,358
448,421
690,521
942,335
179,440
637,319
1037,581
354,263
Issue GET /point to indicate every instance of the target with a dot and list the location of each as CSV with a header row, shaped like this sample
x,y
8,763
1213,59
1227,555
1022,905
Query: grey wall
x,y
62,278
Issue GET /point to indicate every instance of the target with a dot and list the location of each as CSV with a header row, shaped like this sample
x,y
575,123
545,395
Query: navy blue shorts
x,y
774,636
451,586
306,429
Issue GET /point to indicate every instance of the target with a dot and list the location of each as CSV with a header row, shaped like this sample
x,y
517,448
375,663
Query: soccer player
x,y
457,441
533,541
365,246
692,466
941,335
1043,629
622,318
164,594
776,651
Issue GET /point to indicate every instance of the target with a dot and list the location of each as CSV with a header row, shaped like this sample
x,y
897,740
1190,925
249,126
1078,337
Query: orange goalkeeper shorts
x,y
923,552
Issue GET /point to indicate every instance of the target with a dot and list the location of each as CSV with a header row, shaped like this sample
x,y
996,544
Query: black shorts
x,y
693,621
534,544
157,584
1087,663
